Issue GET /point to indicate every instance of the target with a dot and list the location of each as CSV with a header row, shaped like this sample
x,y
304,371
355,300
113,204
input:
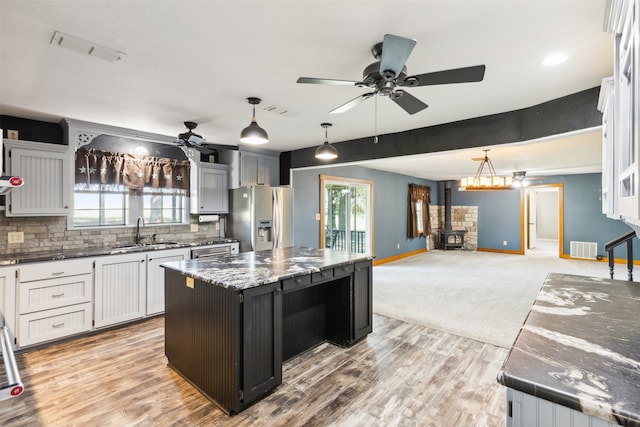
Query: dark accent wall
x,y
389,211
32,130
573,112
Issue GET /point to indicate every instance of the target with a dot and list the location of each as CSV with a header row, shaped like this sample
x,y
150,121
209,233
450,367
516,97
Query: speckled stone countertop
x,y
580,347
58,254
251,269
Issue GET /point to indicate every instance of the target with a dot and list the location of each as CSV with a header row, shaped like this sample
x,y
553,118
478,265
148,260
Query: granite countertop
x,y
251,269
580,347
59,254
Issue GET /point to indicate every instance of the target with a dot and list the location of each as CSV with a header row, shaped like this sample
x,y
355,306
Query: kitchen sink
x,y
144,245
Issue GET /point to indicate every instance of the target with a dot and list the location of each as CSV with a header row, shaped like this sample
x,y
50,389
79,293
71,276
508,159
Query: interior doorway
x,y
542,219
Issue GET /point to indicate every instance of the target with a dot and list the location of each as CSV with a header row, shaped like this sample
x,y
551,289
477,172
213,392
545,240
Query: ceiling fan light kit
x,y
519,179
254,134
486,182
326,151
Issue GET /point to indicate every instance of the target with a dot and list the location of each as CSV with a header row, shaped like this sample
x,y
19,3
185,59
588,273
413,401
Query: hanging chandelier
x,y
489,181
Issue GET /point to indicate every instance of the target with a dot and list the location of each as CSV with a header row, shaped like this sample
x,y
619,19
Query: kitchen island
x,y
231,320
576,361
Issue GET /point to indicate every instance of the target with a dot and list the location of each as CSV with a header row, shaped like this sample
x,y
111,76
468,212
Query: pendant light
x,y
326,151
254,134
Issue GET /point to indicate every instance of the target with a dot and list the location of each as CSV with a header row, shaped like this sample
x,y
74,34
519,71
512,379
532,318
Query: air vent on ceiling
x,y
281,111
82,46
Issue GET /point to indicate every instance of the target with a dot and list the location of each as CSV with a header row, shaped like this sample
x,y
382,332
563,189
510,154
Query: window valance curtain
x,y
418,210
131,170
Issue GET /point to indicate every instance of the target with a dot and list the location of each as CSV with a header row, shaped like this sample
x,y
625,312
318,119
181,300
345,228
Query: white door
x,y
531,217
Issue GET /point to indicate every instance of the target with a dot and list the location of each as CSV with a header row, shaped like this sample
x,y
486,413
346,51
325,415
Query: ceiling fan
x,y
388,75
193,140
520,178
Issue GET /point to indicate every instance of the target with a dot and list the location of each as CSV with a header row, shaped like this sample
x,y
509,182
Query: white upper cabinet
x,y
209,188
621,145
47,176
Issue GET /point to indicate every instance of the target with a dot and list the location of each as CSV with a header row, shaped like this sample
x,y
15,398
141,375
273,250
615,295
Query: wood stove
x,y
448,238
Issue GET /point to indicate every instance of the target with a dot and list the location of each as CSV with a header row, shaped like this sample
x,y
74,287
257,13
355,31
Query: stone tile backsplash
x,y
50,233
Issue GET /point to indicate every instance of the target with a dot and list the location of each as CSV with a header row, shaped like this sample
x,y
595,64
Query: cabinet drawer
x,y
343,271
48,325
322,275
52,269
52,293
296,282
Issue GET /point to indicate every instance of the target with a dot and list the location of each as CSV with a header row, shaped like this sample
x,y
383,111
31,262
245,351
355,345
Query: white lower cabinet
x,y
53,300
525,410
120,288
155,276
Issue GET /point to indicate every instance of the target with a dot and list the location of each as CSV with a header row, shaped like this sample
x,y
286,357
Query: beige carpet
x,y
479,295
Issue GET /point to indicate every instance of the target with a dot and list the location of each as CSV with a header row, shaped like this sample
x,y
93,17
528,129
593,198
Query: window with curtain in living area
x,y
418,217
113,189
347,214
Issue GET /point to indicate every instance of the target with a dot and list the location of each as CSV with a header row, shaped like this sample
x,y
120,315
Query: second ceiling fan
x,y
388,74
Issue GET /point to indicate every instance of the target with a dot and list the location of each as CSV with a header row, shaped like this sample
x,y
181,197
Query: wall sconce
x,y
254,134
326,151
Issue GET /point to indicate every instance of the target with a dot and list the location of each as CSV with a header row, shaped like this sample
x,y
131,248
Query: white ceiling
x,y
200,60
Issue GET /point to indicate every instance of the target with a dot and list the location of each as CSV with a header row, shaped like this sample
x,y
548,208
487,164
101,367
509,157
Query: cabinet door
x,y
362,300
211,195
8,298
262,340
626,114
120,283
47,185
269,171
155,277
249,169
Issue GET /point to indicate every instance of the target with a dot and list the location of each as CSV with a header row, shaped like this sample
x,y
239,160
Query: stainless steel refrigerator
x,y
261,217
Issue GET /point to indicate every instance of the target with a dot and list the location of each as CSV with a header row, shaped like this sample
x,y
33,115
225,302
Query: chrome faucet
x,y
137,237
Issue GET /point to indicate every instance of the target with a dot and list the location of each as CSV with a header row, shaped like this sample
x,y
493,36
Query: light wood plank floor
x,y
402,375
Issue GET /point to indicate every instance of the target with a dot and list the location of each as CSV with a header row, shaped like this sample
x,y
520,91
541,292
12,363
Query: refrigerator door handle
x,y
277,217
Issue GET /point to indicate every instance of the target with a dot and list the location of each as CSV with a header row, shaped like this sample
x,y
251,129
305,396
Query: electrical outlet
x,y
504,243
15,237
398,245
194,228
317,217
12,134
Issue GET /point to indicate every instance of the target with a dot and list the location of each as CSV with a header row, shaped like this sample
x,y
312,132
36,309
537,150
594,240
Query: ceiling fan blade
x,y
349,105
395,52
456,75
409,103
315,81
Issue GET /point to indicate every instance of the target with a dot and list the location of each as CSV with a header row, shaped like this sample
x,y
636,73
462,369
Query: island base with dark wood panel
x,y
230,343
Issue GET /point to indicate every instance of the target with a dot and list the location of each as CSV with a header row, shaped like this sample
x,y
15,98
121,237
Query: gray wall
x,y
390,207
499,215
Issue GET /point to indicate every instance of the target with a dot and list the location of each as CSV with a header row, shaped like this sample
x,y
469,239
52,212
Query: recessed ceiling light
x,y
554,59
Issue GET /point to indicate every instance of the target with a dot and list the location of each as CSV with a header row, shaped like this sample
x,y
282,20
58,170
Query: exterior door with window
x,y
347,216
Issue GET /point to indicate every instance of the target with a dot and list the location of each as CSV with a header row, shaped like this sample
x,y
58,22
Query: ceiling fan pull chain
x,y
375,120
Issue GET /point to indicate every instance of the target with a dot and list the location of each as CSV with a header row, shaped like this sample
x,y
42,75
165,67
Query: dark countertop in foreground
x,y
580,347
59,254
251,269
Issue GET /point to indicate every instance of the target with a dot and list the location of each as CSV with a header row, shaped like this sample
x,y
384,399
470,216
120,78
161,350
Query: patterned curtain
x,y
418,194
131,170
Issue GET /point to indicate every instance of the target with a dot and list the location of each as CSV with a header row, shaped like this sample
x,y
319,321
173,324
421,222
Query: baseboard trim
x,y
500,251
397,257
